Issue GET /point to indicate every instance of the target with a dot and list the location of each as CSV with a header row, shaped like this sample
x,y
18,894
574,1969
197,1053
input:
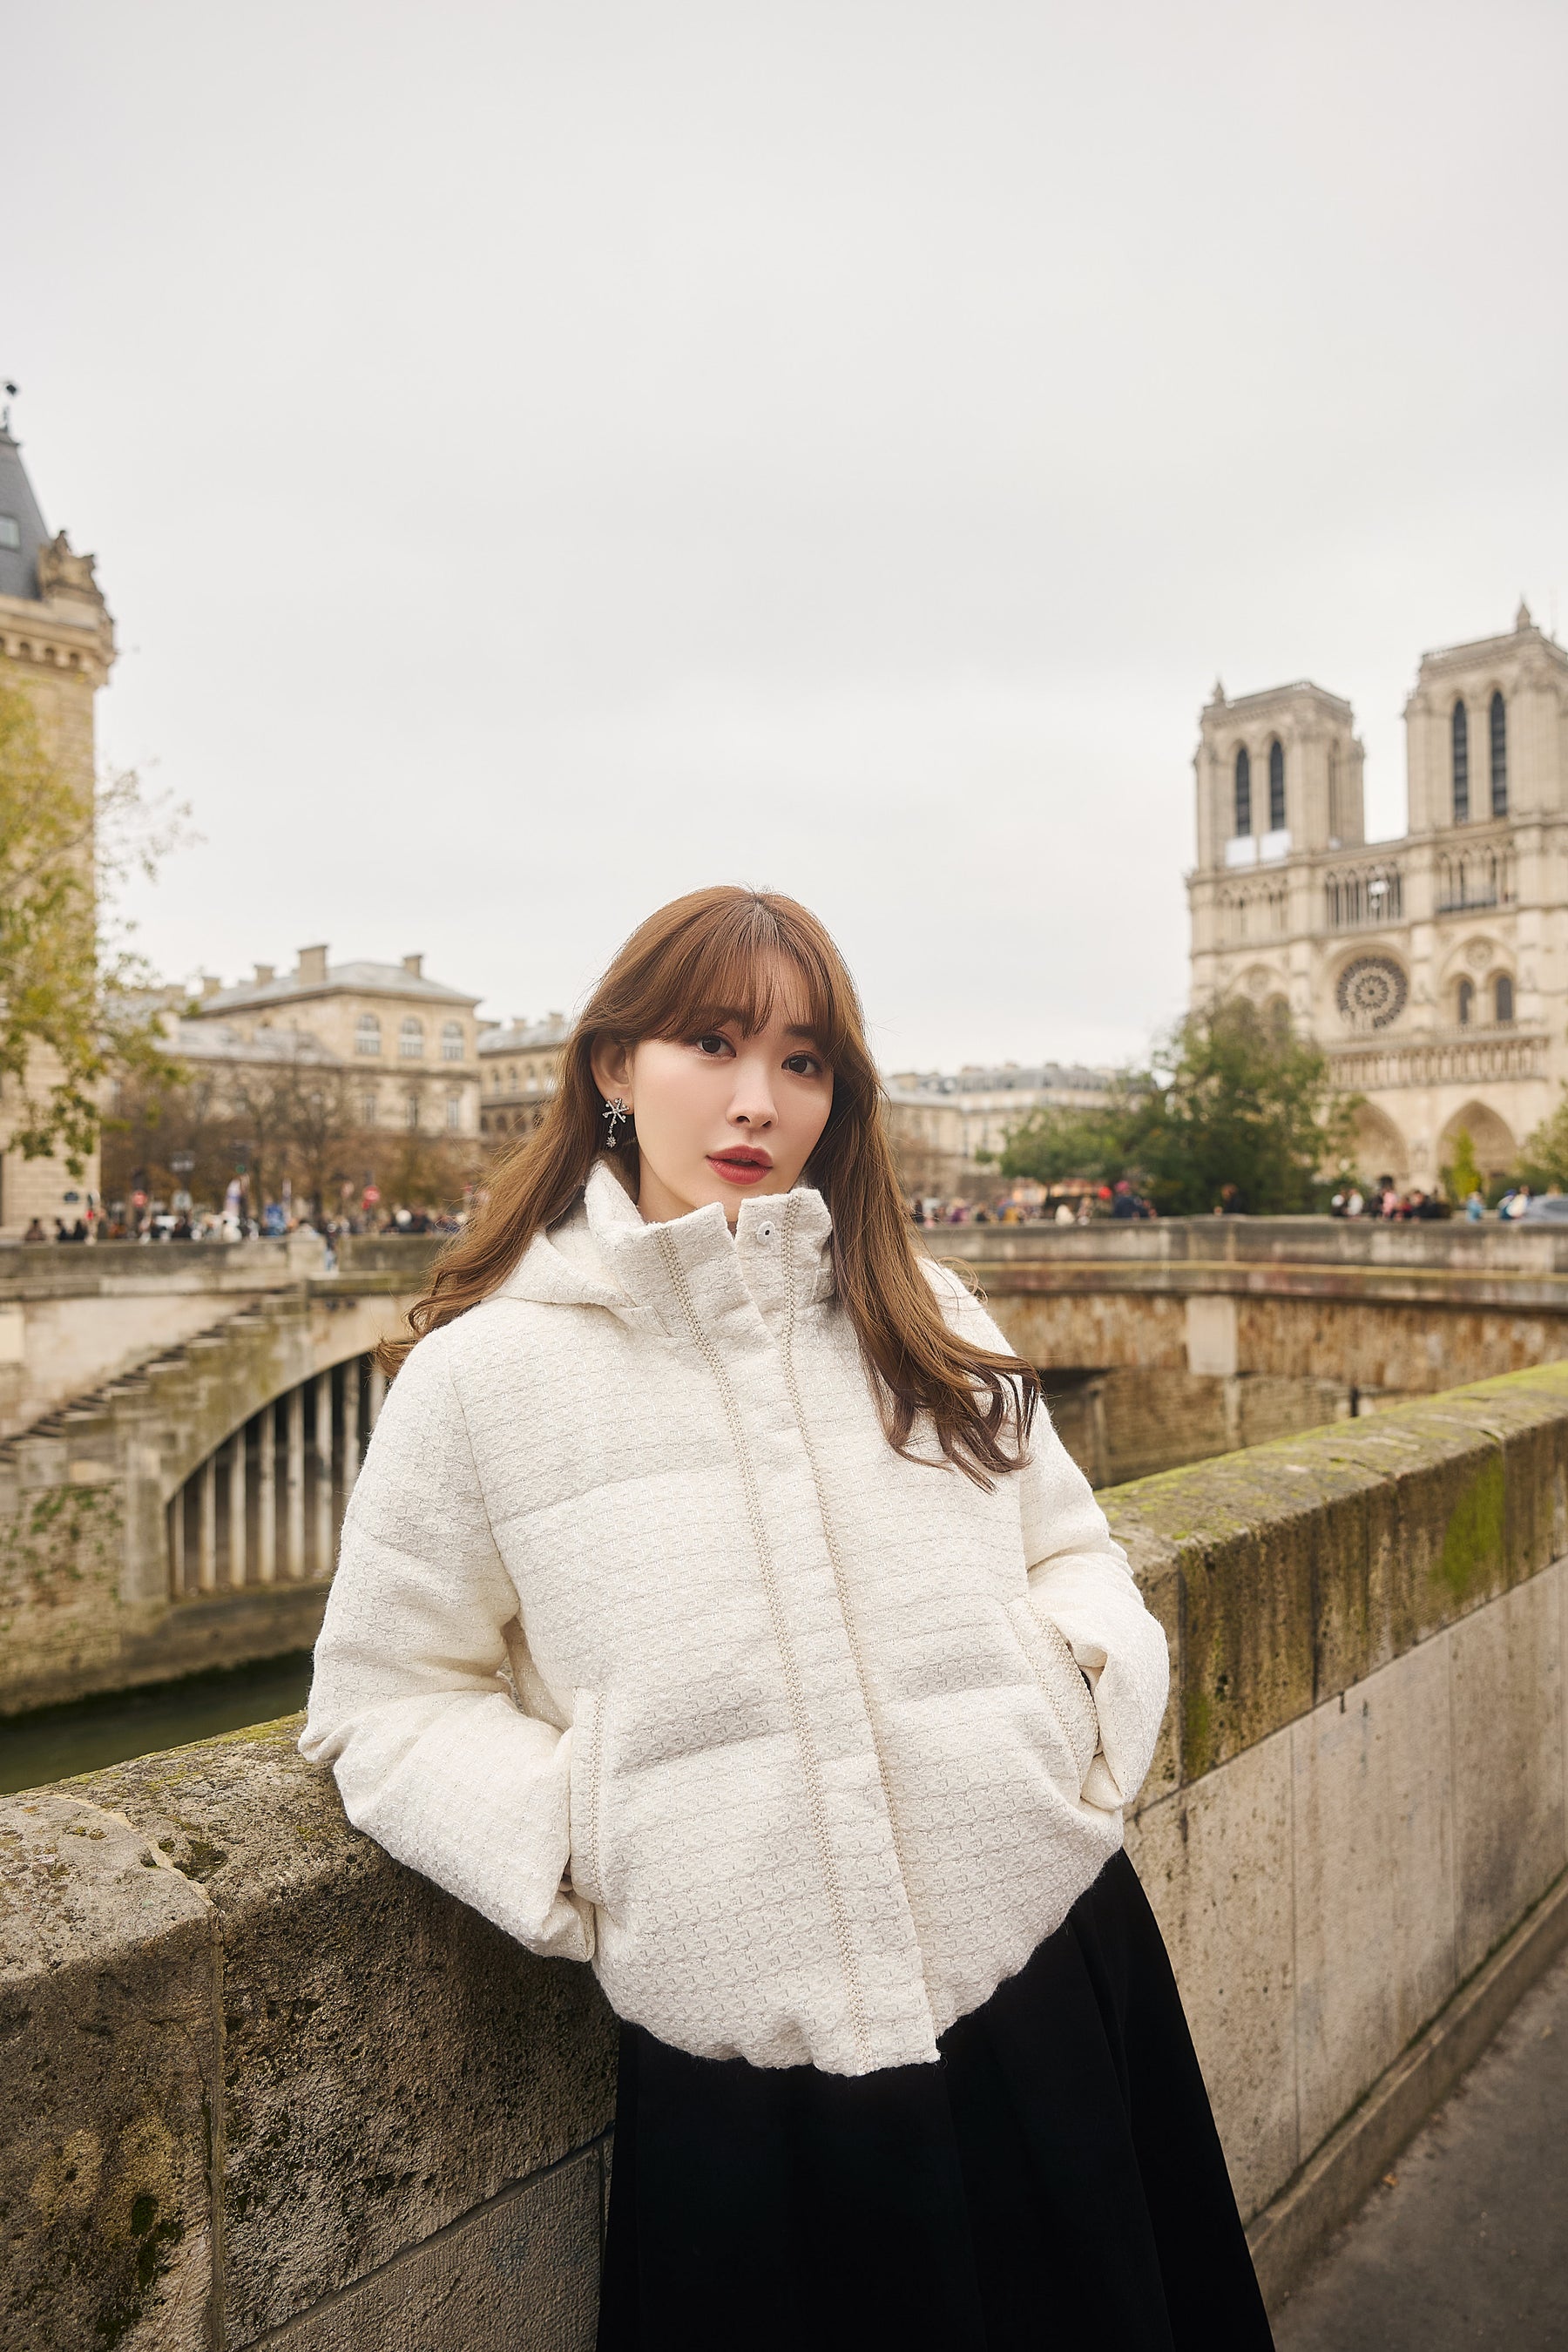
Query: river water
x,y
60,1741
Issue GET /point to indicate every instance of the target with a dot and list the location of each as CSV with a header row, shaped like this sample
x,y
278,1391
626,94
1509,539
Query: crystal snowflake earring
x,y
613,1115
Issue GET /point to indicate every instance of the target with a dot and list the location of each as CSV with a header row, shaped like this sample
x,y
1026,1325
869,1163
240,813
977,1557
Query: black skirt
x,y
1057,2180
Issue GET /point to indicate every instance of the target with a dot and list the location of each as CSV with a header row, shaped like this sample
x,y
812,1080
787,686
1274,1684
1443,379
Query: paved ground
x,y
1468,2241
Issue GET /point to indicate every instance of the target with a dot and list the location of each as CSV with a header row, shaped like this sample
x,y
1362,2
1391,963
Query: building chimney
x,y
411,966
211,983
266,974
312,966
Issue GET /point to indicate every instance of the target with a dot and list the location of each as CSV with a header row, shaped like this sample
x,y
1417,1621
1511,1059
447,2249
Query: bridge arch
x,y
264,1505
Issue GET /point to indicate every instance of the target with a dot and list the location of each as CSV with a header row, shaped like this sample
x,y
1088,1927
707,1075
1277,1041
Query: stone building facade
x,y
519,1068
406,1045
56,643
940,1121
1433,968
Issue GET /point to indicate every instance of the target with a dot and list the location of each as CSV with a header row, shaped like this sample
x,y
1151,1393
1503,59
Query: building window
x,y
411,1112
451,1041
367,1034
1460,729
367,1108
1499,756
10,532
1276,788
410,1039
1243,793
1502,997
454,1111
511,1077
1467,1003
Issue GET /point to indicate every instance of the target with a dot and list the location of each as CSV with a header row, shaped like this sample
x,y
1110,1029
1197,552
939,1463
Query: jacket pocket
x,y
1049,1654
586,1795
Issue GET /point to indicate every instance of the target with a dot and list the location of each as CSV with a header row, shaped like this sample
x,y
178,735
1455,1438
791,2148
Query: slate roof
x,y
18,565
380,978
1042,1077
215,1041
525,1036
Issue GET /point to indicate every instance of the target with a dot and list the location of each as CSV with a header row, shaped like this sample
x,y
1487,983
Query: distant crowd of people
x,y
123,1224
1386,1201
1117,1200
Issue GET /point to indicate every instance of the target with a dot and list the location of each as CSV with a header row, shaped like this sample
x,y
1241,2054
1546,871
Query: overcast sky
x,y
541,458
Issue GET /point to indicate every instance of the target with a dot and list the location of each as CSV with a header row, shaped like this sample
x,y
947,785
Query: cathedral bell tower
x,y
56,643
1278,772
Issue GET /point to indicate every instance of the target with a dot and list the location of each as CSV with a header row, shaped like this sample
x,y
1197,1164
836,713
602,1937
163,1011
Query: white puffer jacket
x,y
799,1754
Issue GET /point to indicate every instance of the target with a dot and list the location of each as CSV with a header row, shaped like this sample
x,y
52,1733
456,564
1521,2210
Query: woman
x,y
716,1607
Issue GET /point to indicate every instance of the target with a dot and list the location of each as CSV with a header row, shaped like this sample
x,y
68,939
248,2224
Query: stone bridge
x,y
1165,1343
261,2086
182,1426
182,1512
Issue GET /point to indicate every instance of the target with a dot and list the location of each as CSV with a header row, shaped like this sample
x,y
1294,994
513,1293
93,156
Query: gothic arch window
x,y
451,1041
1276,786
410,1039
1243,793
367,1034
1467,1003
1502,997
1459,729
1500,755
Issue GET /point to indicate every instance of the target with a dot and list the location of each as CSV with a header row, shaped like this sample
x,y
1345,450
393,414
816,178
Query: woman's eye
x,y
805,1065
713,1045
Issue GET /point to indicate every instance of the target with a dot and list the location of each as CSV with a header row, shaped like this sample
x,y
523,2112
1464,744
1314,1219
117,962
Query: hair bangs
x,y
748,963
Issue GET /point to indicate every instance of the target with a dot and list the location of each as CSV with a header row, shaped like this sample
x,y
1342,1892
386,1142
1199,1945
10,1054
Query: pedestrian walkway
x,y
1467,2241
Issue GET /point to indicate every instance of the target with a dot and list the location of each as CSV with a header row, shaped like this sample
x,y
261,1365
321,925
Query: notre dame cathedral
x,y
1432,969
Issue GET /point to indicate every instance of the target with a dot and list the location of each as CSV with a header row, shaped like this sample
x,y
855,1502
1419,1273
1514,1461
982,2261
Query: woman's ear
x,y
612,1067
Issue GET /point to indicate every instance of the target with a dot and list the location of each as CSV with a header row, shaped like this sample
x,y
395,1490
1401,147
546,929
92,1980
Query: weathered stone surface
x,y
1306,1564
521,2274
1373,1871
108,2086
1216,1863
391,2060
1507,1698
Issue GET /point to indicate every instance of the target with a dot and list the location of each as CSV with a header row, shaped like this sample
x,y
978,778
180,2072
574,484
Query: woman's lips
x,y
743,1169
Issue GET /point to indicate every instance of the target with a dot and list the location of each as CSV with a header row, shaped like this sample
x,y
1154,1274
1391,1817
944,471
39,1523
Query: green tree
x,y
1543,1158
1464,1176
69,988
1225,1098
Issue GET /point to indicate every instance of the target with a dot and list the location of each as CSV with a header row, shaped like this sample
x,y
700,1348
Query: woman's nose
x,y
753,1103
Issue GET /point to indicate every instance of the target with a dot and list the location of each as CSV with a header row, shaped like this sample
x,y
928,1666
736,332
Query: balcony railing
x,y
1361,897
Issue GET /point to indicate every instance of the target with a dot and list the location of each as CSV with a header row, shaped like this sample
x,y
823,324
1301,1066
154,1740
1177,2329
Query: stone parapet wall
x,y
272,2089
1510,1247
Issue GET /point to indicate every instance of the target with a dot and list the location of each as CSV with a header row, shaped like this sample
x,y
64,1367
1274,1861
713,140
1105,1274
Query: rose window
x,y
1371,991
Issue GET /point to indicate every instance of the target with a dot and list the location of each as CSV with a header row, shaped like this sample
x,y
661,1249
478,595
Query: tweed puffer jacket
x,y
645,1642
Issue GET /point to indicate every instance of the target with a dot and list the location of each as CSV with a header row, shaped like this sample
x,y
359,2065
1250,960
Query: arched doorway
x,y
1380,1148
1491,1140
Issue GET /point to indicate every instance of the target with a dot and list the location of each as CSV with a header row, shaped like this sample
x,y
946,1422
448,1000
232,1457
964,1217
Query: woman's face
x,y
722,1114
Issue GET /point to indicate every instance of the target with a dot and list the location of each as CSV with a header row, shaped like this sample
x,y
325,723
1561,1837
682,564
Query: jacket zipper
x,y
811,1768
841,1581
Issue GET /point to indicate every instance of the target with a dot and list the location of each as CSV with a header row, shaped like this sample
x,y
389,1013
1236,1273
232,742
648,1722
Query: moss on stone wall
x,y
1306,1564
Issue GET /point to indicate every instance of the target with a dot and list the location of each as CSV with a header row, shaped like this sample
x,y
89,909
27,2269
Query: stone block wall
x,y
260,2086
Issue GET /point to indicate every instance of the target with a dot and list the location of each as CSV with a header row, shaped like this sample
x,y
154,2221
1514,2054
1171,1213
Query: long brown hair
x,y
704,958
